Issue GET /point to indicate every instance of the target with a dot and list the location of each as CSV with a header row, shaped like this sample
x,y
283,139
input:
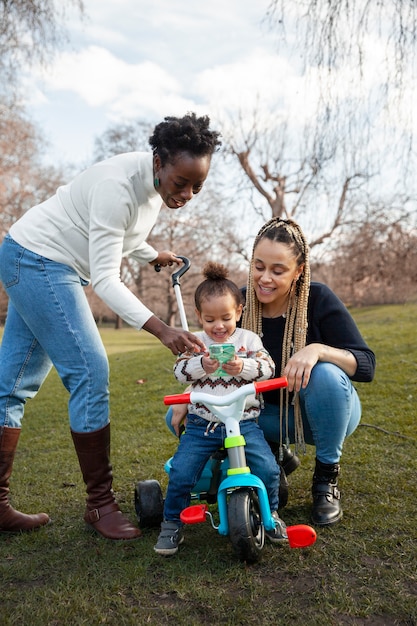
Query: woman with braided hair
x,y
314,343
79,235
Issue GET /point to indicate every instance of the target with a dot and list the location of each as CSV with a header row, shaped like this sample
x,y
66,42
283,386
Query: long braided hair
x,y
295,333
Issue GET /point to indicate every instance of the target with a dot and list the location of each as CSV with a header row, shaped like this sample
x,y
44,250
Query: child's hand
x,y
209,365
179,417
233,367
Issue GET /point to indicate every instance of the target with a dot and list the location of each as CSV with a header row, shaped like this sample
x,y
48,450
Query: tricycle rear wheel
x,y
149,503
246,530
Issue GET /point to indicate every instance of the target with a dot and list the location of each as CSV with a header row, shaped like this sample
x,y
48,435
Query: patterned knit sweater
x,y
257,365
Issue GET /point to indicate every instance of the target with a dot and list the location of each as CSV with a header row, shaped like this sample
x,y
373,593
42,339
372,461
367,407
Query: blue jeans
x,y
196,446
49,322
330,409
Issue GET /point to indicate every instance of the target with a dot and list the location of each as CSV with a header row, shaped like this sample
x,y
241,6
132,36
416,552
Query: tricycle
x,y
241,497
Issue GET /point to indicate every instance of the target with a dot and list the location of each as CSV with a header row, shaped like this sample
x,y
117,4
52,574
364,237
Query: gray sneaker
x,y
279,533
170,537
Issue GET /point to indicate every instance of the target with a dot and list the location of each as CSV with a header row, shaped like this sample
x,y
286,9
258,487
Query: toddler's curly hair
x,y
216,284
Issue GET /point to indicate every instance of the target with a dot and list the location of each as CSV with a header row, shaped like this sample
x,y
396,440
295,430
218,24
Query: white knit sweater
x,y
257,365
105,213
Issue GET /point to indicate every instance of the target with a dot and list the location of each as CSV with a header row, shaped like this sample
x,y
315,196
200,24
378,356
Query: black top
x,y
329,323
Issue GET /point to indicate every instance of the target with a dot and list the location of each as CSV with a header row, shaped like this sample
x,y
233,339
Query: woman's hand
x,y
177,340
299,366
166,257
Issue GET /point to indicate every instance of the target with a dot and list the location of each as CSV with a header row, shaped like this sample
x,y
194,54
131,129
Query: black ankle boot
x,y
327,509
290,461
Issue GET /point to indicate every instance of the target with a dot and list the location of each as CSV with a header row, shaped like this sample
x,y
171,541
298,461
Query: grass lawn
x,y
363,571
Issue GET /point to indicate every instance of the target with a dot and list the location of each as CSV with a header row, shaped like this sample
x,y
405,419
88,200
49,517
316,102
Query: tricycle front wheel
x,y
246,530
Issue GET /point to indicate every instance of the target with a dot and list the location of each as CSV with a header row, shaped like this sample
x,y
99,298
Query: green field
x,y
362,571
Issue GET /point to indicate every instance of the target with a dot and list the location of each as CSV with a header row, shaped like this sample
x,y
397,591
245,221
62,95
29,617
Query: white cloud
x,y
100,78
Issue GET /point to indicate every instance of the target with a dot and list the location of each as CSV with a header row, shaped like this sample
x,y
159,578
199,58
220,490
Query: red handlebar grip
x,y
179,398
272,383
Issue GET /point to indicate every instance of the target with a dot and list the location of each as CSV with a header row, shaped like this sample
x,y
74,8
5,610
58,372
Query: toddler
x,y
219,305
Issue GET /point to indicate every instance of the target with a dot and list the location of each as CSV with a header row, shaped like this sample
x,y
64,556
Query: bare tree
x,y
24,181
30,32
330,33
362,56
124,137
358,148
376,262
309,178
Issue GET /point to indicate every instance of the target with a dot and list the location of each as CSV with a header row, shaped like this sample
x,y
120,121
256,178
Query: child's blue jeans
x,y
199,441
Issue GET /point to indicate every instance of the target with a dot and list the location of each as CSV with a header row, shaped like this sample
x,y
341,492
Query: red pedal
x,y
194,514
301,536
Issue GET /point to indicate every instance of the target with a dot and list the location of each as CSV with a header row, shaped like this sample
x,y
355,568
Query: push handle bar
x,y
257,387
184,268
176,275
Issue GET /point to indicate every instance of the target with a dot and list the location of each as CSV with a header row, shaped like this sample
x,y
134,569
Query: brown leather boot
x,y
12,521
102,512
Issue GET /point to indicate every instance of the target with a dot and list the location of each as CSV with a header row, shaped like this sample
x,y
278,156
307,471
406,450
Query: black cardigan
x,y
329,323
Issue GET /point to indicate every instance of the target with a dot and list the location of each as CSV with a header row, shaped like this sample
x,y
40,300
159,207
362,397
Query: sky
x,y
145,59
132,59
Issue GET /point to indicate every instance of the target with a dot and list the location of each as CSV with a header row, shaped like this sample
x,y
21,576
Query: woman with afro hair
x,y
78,236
